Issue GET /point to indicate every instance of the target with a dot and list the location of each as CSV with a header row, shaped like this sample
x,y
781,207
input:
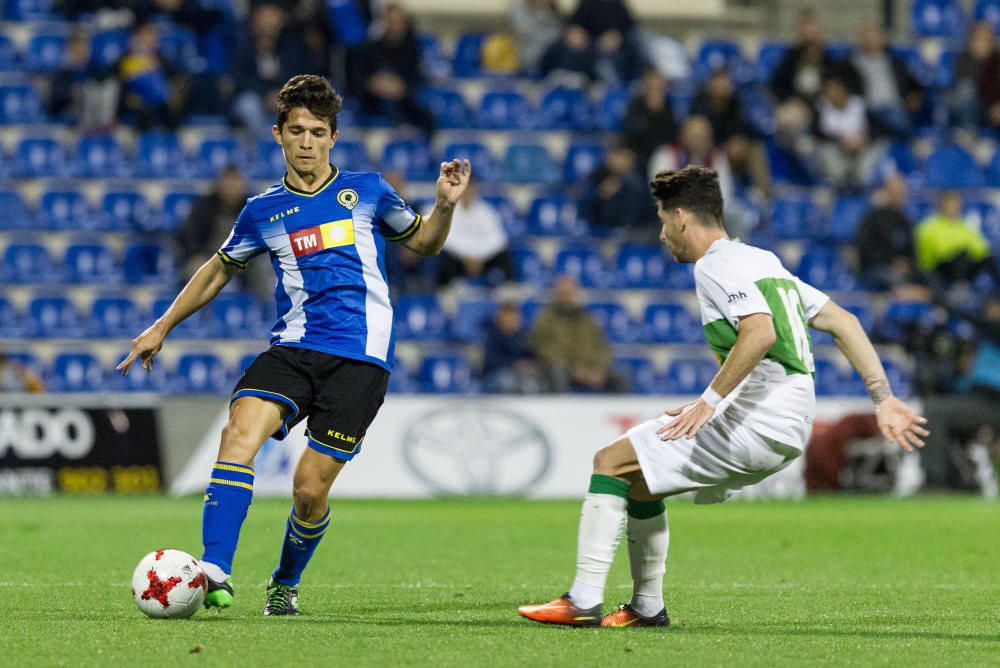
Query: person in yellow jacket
x,y
947,248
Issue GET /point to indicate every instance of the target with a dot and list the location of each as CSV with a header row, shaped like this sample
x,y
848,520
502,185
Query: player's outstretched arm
x,y
897,422
430,236
201,289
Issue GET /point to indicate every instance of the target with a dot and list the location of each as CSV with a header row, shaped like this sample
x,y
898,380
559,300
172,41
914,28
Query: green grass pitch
x,y
855,581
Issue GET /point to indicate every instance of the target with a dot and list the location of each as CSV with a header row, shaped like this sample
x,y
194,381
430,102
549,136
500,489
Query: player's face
x,y
672,232
306,140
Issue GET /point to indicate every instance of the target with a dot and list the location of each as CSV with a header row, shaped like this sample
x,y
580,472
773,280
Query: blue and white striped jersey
x,y
328,252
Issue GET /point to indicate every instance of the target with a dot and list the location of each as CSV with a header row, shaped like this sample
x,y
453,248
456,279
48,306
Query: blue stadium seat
x,y
529,163
412,157
239,315
614,320
28,10
15,213
179,46
8,54
900,378
76,372
898,160
54,317
610,111
476,153
641,266
148,264
200,373
505,110
993,170
914,61
585,264
899,318
12,323
90,263
680,276
640,374
445,374
529,267
216,154
512,221
448,107
45,51
20,104
465,61
823,268
937,18
29,263
671,323
794,217
768,57
245,363
64,210
401,380
351,156
582,158
690,376
433,62
269,162
100,156
554,216
42,157
531,309
847,213
159,155
107,47
564,109
470,318
952,166
113,317
828,378
984,216
419,318
716,54
200,325
138,379
989,11
176,207
123,211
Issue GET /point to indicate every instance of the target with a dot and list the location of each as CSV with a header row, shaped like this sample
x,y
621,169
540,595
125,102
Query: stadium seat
x,y
445,374
28,10
148,264
847,213
512,220
448,107
937,18
529,267
952,166
823,268
412,157
107,47
159,155
200,373
993,170
914,61
465,61
505,110
55,317
76,372
100,156
585,264
615,322
8,54
20,104
137,379
419,318
476,153
176,207
216,154
351,156
42,157
794,218
471,317
564,109
671,323
245,363
690,376
29,263
900,378
45,52
239,315
610,110
529,163
716,54
12,323
989,11
64,210
984,216
828,378
123,211
899,319
91,264
768,57
554,216
269,161
640,374
178,45
200,325
15,213
582,158
401,381
113,317
680,276
898,160
432,59
641,266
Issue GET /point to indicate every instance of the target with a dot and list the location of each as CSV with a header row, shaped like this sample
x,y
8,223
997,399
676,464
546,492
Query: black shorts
x,y
340,396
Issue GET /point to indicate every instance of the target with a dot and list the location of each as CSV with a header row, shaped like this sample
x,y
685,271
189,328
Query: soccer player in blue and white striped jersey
x,y
331,352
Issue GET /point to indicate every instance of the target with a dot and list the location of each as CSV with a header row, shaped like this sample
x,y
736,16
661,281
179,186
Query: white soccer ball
x,y
169,583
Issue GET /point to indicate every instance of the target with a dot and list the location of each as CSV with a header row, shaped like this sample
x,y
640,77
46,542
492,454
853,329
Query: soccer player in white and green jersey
x,y
753,419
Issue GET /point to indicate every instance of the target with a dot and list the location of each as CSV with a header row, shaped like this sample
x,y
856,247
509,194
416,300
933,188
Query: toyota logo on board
x,y
474,448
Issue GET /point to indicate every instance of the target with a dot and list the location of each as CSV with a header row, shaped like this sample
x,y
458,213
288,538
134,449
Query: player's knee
x,y
237,442
309,499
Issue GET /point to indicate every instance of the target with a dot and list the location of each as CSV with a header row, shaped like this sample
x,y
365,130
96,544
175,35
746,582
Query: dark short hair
x,y
694,189
312,92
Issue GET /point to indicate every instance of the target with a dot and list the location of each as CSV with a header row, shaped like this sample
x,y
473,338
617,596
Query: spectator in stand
x,y
948,250
78,92
152,95
615,195
509,366
884,240
536,25
257,70
385,73
305,45
16,377
572,345
476,247
800,75
718,103
598,42
975,98
649,120
844,155
892,94
695,146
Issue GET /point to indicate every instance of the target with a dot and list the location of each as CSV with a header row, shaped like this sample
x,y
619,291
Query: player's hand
x,y
144,347
689,418
452,180
901,425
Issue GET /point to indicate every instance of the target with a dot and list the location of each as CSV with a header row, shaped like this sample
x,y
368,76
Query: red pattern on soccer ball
x,y
159,553
159,589
198,581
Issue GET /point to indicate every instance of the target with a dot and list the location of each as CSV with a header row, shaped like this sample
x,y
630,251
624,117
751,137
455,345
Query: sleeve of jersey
x,y
243,242
813,300
397,220
731,294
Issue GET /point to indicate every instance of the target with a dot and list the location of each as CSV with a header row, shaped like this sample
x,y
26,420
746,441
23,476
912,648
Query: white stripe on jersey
x,y
294,287
378,312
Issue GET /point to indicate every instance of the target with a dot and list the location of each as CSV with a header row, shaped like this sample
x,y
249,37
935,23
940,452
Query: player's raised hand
x,y
899,424
452,180
688,419
144,347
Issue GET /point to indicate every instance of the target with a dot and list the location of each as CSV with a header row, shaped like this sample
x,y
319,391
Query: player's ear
x,y
335,137
276,133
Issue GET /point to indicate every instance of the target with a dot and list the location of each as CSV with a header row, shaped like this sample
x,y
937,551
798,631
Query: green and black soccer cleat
x,y
281,599
220,594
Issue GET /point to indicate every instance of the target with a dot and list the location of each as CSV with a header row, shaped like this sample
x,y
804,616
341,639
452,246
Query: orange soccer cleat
x,y
626,616
562,611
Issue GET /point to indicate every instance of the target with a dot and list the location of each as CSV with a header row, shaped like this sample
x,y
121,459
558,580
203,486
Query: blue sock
x,y
301,539
226,502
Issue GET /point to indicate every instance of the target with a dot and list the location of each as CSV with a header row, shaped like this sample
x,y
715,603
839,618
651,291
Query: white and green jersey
x,y
734,280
